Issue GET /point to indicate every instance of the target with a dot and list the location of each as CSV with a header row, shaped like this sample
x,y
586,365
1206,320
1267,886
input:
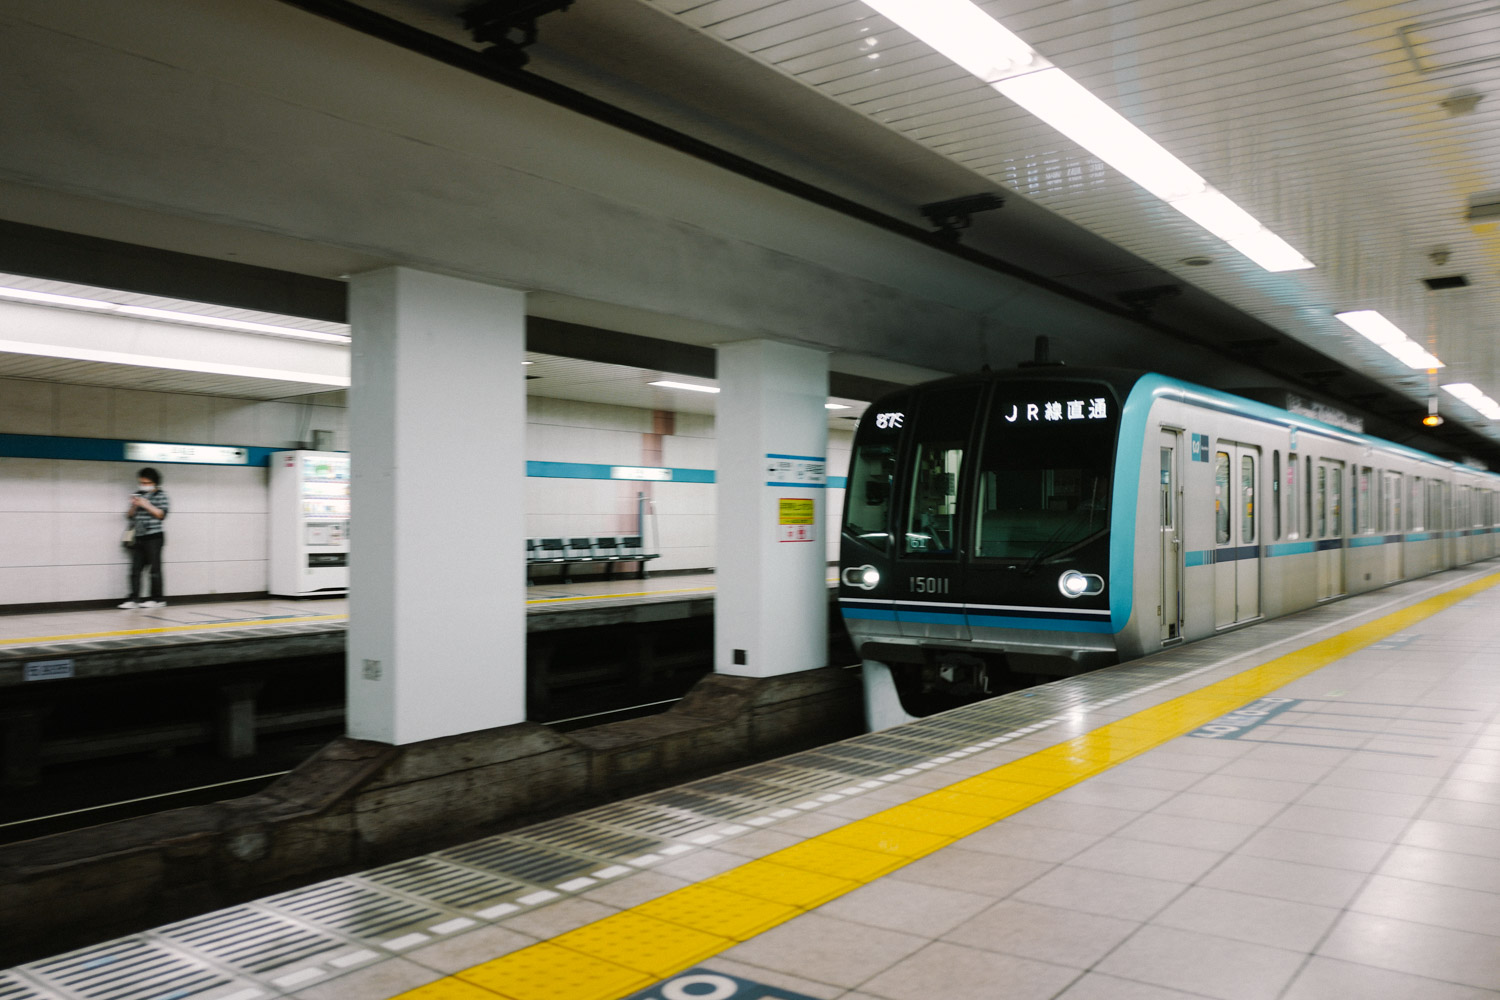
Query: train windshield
x,y
1045,471
872,474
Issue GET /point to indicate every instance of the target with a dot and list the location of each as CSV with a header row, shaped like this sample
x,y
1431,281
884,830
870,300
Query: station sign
x,y
47,670
642,473
796,519
197,454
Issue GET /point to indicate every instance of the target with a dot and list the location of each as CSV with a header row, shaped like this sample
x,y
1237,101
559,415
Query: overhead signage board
x,y
196,454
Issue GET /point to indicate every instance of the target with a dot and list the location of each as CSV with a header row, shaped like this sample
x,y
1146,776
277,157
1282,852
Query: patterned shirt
x,y
142,519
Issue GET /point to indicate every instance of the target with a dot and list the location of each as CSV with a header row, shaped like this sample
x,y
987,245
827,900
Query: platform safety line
x,y
634,948
199,627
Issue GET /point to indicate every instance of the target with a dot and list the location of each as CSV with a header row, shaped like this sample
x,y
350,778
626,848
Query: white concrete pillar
x,y
437,413
771,610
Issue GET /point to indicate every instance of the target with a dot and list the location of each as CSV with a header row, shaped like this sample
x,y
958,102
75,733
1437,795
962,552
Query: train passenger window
x,y
1335,501
944,421
1044,481
1221,498
1293,500
1276,495
1247,498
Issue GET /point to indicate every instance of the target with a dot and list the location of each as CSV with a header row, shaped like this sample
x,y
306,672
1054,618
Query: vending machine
x,y
309,523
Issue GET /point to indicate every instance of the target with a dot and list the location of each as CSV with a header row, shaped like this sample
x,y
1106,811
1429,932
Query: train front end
x,y
975,554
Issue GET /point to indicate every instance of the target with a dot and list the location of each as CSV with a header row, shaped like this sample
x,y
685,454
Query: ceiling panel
x,y
1314,117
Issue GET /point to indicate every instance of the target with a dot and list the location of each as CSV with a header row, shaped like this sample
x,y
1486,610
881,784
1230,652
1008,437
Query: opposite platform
x,y
1303,809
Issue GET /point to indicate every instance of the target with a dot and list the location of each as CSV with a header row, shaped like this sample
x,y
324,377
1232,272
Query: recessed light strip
x,y
1389,337
31,297
686,386
971,38
1477,400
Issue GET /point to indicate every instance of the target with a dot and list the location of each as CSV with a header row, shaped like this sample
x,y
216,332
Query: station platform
x,y
113,642
1307,808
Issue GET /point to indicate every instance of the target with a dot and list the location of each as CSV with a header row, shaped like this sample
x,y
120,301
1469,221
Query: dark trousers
x,y
146,554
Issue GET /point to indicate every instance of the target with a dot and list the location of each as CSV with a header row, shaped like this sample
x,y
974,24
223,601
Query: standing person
x,y
148,509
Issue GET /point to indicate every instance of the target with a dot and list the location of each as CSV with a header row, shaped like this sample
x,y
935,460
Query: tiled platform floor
x,y
1347,844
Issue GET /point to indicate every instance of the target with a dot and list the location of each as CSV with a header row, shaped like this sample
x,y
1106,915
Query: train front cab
x,y
977,537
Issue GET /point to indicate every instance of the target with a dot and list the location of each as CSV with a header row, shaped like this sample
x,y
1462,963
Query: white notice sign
x,y
796,470
47,670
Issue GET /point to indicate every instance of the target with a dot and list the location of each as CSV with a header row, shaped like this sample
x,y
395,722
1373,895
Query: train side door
x,y
1236,534
1328,504
1171,540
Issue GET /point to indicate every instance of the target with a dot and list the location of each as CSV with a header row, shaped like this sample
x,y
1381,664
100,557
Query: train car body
x,y
1047,521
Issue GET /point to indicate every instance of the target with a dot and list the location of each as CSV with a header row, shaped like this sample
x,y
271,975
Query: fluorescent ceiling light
x,y
668,384
835,406
28,296
1471,394
171,364
971,38
1389,337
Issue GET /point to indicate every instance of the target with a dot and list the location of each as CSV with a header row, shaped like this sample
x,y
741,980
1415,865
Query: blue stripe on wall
x,y
105,450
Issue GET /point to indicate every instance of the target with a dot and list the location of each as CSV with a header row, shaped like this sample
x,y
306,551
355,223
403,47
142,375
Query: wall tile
x,y
186,418
83,411
134,415
27,407
236,421
95,487
30,539
188,579
239,537
190,537
96,582
90,539
239,577
29,585
28,484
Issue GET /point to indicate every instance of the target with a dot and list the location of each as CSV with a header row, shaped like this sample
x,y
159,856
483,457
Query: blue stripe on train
x,y
980,620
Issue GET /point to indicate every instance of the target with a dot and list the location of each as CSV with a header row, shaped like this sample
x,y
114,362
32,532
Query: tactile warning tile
x,y
643,943
916,816
779,884
718,911
984,785
548,972
882,838
966,803
449,988
835,859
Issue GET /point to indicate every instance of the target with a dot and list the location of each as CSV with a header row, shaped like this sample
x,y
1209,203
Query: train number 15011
x,y
929,585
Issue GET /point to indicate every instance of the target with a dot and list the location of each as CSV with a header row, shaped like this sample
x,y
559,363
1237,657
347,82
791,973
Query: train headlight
x,y
1075,584
864,577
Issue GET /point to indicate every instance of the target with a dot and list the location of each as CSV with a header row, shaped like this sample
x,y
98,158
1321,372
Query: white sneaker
x,y
129,606
153,604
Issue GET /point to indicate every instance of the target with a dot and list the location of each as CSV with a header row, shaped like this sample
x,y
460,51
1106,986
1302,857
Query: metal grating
x,y
250,940
587,838
357,911
12,988
451,885
648,815
519,859
129,969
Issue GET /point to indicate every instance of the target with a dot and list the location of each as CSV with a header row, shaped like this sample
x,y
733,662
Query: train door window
x,y
1293,501
1247,499
1321,501
1365,525
1276,495
1354,500
1221,498
1417,519
1308,491
1393,502
1335,502
1166,487
944,420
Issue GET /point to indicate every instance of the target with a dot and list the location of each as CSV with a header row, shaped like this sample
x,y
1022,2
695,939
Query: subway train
x,y
1004,527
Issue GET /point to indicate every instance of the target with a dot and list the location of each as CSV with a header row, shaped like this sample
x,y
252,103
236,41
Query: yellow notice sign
x,y
796,511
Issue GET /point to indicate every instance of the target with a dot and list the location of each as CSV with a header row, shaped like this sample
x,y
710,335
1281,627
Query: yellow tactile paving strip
x,y
168,629
629,950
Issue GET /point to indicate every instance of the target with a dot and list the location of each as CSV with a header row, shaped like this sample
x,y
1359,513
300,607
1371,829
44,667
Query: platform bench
x,y
606,550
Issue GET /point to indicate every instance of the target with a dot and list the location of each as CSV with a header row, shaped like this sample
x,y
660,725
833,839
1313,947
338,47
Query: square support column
x,y
771,610
437,616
